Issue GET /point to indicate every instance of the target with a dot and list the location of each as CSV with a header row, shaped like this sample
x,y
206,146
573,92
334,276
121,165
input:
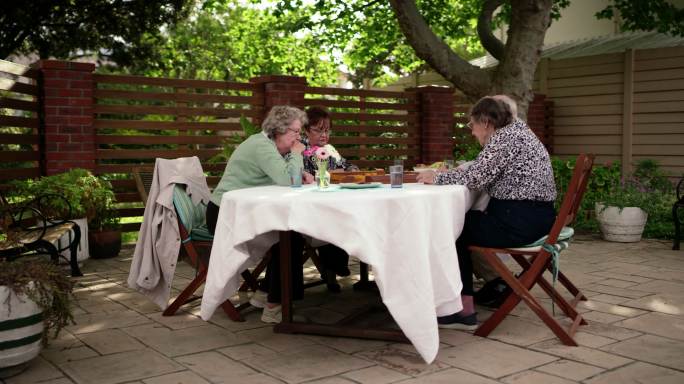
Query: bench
x,y
27,230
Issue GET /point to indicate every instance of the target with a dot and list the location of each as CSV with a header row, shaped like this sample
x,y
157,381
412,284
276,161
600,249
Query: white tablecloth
x,y
407,235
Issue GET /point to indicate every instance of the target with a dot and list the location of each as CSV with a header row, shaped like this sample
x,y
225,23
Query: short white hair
x,y
279,119
510,102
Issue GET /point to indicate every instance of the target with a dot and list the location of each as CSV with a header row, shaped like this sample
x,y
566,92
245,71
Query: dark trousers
x,y
335,259
505,223
271,283
212,217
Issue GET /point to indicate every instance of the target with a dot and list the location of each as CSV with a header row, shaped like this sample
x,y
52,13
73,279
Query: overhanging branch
x,y
484,29
473,81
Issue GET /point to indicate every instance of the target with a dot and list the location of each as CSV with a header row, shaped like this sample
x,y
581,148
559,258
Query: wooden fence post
x,y
627,113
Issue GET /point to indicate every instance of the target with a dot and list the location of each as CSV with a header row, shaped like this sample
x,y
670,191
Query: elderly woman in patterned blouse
x,y
318,129
514,168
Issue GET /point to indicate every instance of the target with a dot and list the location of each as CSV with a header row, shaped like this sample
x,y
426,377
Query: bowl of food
x,y
424,168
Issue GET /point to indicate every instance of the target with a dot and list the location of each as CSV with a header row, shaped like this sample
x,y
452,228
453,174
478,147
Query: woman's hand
x,y
307,178
298,147
426,177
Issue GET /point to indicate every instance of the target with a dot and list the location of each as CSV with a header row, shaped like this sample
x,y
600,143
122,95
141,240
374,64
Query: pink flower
x,y
322,154
310,151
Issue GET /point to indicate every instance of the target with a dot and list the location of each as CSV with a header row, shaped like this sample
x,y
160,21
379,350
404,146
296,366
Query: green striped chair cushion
x,y
201,233
192,216
563,241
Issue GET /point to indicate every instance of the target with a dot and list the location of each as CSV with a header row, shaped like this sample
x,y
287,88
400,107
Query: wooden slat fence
x,y
138,119
371,128
20,139
623,106
462,136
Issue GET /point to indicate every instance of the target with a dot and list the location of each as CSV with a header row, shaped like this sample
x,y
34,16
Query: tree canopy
x,y
444,34
234,40
110,29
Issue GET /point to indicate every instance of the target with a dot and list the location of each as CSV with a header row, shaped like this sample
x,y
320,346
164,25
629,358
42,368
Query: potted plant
x,y
83,195
35,298
623,211
104,233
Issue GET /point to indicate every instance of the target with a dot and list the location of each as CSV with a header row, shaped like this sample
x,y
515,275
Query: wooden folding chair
x,y
143,176
197,242
536,260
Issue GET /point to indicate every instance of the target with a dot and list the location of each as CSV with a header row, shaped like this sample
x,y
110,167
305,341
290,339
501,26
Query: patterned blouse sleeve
x,y
491,161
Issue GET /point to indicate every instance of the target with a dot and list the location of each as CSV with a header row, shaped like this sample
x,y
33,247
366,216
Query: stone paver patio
x,y
635,334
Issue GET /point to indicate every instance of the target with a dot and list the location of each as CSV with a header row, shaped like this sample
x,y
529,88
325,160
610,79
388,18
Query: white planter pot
x,y
83,251
21,328
621,225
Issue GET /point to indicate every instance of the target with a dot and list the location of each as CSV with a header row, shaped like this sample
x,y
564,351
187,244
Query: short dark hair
x,y
490,110
317,115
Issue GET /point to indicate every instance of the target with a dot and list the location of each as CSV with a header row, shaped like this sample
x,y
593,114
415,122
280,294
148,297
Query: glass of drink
x,y
396,176
295,176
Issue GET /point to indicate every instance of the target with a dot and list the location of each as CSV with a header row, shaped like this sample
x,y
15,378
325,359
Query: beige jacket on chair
x,y
156,252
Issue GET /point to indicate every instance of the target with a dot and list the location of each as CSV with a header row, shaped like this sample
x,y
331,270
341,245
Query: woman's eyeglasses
x,y
319,131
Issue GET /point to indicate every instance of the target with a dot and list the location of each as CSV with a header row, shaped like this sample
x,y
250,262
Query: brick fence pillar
x,y
279,90
540,120
436,123
67,115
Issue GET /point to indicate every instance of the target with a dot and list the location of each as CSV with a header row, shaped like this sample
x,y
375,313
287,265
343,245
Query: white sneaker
x,y
272,315
258,299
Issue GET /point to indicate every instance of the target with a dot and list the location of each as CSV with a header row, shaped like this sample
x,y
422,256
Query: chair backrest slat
x,y
143,177
573,196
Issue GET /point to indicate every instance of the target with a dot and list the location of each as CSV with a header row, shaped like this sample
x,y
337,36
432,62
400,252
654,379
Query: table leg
x,y
286,275
364,284
289,326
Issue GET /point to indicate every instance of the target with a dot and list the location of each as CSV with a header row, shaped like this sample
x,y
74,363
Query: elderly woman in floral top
x,y
514,168
318,130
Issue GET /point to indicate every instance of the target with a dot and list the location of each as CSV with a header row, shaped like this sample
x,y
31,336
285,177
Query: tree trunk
x,y
515,74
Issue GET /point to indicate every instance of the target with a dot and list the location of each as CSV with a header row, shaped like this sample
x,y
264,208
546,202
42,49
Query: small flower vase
x,y
323,175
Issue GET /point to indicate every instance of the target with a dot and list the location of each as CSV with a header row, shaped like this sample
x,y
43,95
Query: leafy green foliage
x,y
87,195
648,188
364,33
232,40
114,30
45,284
646,15
232,142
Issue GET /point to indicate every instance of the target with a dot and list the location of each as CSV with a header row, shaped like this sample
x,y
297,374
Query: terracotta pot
x,y
104,244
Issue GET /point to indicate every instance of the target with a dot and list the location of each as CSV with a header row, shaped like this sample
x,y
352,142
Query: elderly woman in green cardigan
x,y
266,158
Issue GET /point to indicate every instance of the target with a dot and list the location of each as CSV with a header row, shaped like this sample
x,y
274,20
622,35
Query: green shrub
x,y
87,195
648,188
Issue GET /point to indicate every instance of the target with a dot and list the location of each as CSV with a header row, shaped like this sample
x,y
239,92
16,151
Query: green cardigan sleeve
x,y
274,165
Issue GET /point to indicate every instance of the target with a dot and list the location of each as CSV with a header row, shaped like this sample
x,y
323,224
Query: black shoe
x,y
493,293
458,321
